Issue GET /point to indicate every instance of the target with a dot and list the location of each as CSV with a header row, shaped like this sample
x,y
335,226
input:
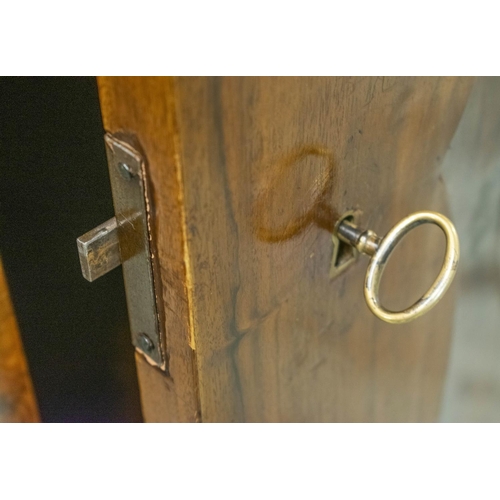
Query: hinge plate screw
x,y
125,171
146,343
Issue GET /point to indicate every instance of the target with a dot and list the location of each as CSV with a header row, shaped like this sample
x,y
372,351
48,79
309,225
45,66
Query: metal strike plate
x,y
124,239
127,175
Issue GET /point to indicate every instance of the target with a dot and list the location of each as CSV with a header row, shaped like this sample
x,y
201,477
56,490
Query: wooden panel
x,y
142,109
17,399
276,339
264,166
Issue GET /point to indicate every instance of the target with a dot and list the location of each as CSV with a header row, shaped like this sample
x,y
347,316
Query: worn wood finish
x,y
17,399
142,109
249,175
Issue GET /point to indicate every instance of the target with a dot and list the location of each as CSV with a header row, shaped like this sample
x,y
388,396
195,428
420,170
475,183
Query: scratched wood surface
x,y
141,108
17,399
249,176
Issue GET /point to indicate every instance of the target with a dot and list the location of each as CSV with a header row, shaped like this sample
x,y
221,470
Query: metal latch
x,y
125,240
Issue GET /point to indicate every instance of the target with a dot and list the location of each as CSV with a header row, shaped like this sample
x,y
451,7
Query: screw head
x,y
145,343
125,171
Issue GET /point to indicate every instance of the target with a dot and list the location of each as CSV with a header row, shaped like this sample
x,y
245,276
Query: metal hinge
x,y
125,240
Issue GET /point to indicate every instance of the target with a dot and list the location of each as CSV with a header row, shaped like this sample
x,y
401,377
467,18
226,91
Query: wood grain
x,y
249,175
17,399
141,109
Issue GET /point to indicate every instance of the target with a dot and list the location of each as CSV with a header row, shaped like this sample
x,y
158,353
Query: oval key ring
x,y
380,250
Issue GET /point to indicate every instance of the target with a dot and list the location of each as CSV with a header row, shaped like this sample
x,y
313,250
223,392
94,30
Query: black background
x,y
54,186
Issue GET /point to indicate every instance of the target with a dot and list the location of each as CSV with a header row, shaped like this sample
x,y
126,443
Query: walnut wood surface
x,y
141,108
17,399
249,175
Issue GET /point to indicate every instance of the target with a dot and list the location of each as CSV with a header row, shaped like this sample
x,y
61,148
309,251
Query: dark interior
x,y
55,187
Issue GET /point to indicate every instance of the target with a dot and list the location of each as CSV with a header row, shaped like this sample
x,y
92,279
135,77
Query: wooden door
x,y
248,177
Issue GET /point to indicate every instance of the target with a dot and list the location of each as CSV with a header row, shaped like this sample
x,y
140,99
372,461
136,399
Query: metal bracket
x,y
99,252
